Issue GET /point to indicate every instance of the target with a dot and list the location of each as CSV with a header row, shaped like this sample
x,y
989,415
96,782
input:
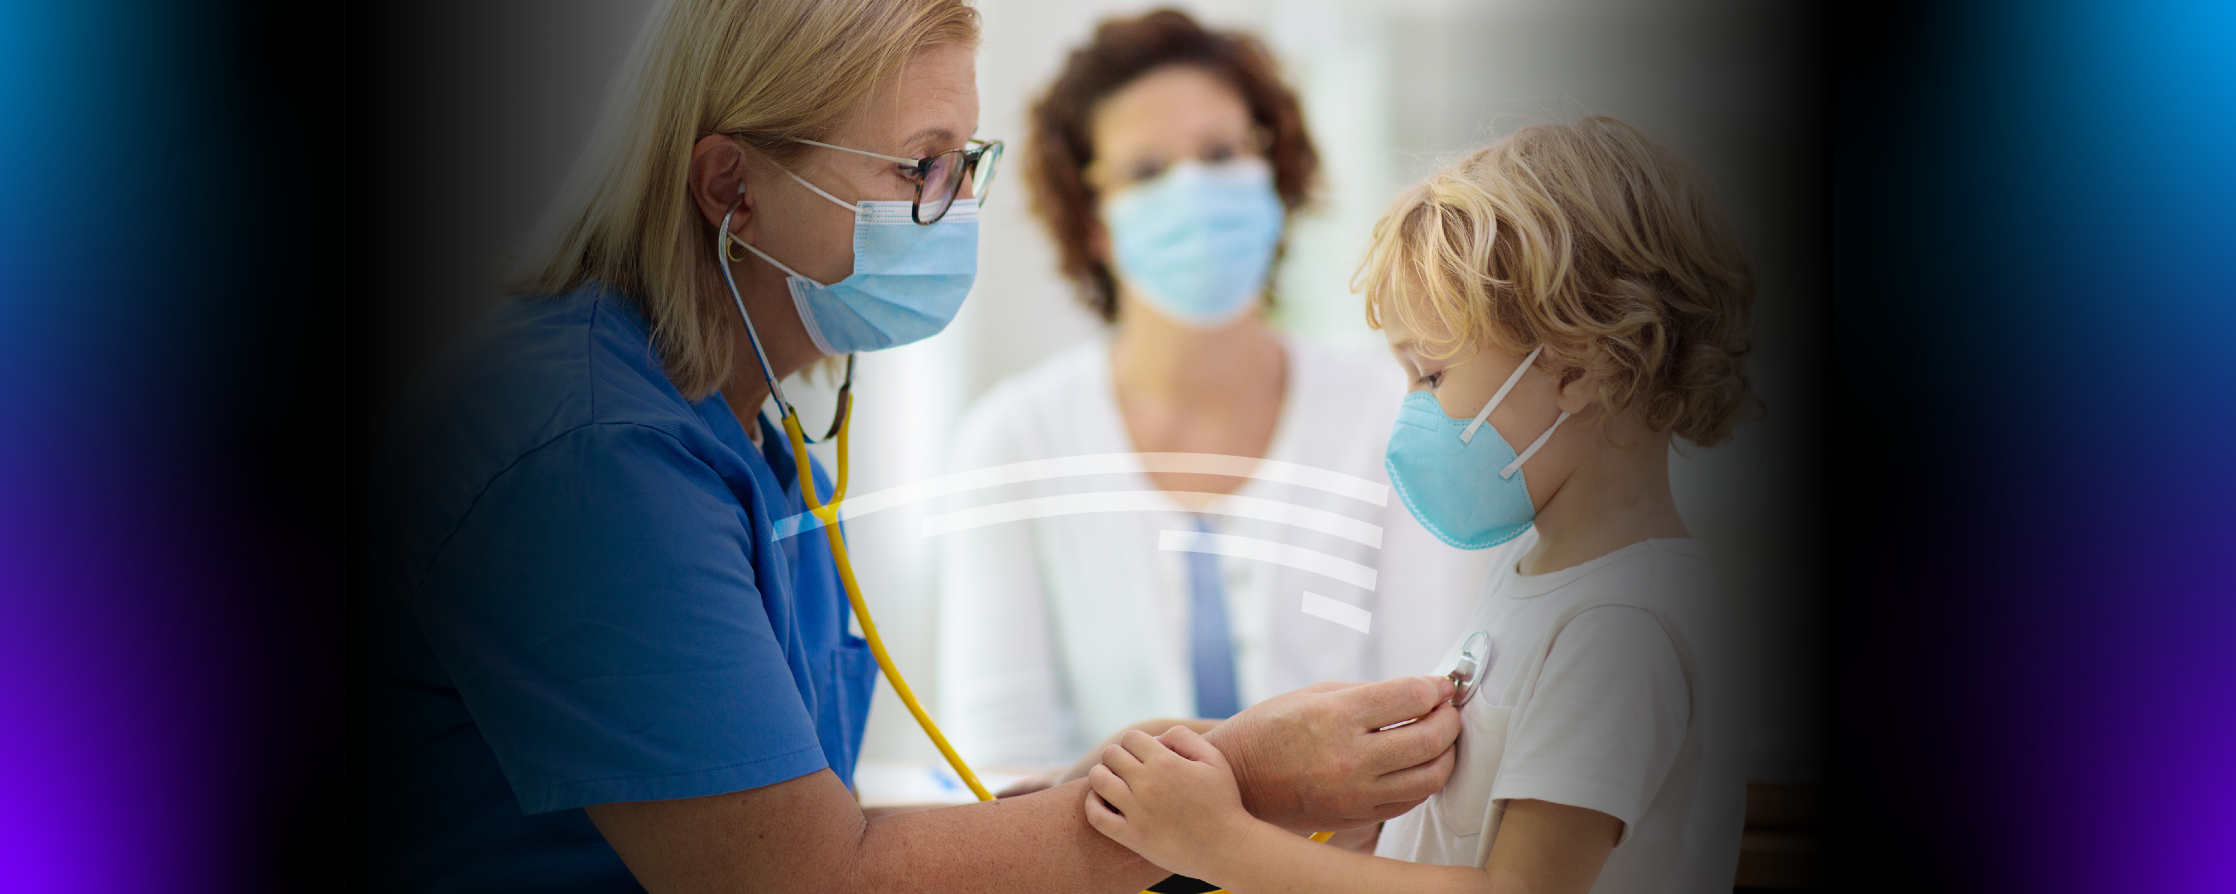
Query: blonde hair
x,y
1593,241
765,72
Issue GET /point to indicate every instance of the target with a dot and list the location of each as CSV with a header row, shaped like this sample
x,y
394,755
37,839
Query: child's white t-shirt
x,y
1607,689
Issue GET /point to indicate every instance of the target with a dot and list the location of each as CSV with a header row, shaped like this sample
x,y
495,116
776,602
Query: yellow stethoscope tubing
x,y
828,513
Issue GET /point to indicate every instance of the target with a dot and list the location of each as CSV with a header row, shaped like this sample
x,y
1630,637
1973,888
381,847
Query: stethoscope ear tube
x,y
845,401
828,512
752,335
761,357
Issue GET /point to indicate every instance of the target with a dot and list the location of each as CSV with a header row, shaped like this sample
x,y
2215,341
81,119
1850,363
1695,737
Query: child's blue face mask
x,y
909,279
1197,241
1464,487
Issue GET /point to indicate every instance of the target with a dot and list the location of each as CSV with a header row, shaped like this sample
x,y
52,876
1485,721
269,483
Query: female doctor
x,y
595,667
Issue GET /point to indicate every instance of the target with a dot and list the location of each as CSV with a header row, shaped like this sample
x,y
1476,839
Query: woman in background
x,y
1166,161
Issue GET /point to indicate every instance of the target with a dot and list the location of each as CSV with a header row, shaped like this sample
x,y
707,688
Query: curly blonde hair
x,y
1594,241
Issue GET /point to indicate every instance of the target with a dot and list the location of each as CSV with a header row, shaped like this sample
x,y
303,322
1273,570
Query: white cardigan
x,y
1054,632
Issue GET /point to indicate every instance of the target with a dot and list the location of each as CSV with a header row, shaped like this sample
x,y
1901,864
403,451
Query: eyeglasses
x,y
939,177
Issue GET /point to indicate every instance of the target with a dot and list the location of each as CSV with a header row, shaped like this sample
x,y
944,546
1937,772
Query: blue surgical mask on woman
x,y
909,279
1465,488
1197,241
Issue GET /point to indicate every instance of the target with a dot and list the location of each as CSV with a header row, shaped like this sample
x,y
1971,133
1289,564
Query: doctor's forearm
x,y
806,836
1037,842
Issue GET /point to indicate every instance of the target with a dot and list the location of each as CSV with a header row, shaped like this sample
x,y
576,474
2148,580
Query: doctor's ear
x,y
721,176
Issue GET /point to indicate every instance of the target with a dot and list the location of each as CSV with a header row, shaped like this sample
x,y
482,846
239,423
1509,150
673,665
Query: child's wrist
x,y
1241,827
1253,842
1240,835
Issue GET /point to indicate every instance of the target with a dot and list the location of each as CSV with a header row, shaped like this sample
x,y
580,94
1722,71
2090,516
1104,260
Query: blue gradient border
x,y
2036,315
2034,318
148,669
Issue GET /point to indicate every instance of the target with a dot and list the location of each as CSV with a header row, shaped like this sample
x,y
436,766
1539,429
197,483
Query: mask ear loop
x,y
828,513
846,387
1468,436
738,241
835,200
1516,465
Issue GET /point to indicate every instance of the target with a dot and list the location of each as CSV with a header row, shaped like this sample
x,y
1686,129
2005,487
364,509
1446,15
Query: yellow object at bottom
x,y
828,513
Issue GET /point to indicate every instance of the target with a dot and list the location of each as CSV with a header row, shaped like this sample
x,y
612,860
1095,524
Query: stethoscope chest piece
x,y
1467,675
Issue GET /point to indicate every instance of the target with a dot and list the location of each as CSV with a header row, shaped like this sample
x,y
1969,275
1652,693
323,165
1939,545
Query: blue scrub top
x,y
587,605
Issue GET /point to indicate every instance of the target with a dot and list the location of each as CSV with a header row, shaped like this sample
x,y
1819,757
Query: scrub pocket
x,y
845,705
1464,807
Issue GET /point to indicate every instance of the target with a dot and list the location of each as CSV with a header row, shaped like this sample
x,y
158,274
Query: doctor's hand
x,y
1319,758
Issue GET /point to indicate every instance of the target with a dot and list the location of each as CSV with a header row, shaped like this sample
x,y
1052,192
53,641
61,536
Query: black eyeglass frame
x,y
978,167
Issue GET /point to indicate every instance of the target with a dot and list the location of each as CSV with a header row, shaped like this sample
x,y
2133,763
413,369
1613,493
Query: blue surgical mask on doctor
x,y
1197,241
1459,477
909,279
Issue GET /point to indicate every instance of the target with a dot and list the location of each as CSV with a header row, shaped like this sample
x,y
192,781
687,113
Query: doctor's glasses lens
x,y
982,169
943,176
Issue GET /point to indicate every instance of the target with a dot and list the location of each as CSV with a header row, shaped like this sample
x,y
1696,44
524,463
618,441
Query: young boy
x,y
1567,274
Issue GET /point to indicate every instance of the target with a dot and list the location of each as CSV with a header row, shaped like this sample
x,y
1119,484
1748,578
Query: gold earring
x,y
730,248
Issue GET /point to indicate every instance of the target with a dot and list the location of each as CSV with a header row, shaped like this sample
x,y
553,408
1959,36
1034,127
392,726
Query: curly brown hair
x,y
1595,242
1061,143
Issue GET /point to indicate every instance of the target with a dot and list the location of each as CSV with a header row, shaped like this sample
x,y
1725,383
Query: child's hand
x,y
1170,798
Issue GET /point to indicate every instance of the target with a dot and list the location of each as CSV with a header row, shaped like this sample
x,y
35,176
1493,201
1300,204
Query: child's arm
x,y
1177,805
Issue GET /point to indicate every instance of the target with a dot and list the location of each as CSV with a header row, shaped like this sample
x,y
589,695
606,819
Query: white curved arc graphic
x,y
1357,488
1297,557
1307,517
1343,613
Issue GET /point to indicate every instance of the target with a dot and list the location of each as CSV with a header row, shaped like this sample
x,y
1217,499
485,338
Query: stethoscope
x,y
1466,674
828,513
